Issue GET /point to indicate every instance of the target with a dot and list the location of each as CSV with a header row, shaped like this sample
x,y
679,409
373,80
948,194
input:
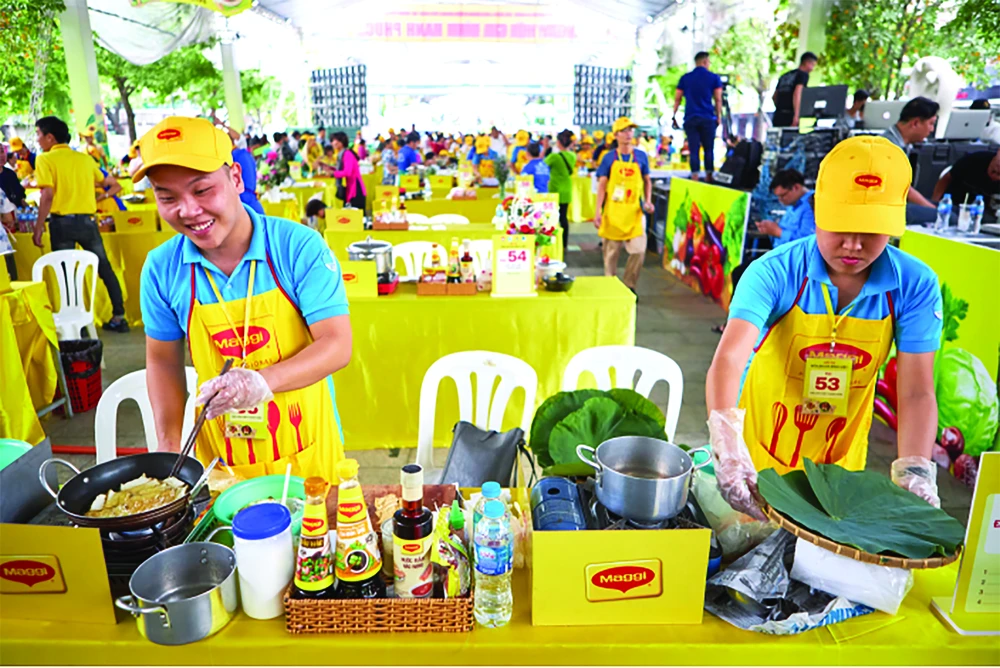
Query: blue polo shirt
x,y
799,221
537,169
248,168
698,86
609,159
306,268
768,288
407,156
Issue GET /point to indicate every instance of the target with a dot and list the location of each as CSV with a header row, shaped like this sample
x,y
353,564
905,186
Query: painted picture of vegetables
x,y
705,229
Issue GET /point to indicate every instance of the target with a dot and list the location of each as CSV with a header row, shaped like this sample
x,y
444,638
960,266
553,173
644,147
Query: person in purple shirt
x,y
350,187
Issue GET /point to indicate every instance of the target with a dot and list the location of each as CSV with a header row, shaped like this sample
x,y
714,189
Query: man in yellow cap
x,y
25,158
812,322
264,292
624,192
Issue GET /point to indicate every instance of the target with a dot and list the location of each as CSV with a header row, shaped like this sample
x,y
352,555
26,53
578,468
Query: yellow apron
x,y
622,217
778,434
301,426
24,169
487,169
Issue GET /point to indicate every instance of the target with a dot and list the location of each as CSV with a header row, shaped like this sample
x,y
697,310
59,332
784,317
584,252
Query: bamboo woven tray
x,y
378,615
851,552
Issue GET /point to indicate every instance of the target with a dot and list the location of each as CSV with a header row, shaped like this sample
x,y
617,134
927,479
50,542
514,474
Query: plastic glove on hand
x,y
734,470
918,475
237,389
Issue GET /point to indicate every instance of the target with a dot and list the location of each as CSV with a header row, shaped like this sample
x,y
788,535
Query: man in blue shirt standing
x,y
702,111
409,155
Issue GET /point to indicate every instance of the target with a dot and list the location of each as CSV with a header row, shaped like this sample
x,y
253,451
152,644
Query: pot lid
x,y
369,245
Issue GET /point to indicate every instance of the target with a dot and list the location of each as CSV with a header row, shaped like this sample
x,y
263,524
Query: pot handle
x,y
44,467
705,449
127,603
210,536
589,461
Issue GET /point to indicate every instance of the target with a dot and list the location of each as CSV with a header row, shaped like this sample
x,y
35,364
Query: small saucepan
x,y
641,479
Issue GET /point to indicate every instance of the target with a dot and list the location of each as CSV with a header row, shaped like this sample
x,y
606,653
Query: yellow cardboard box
x,y
592,578
411,182
360,278
345,220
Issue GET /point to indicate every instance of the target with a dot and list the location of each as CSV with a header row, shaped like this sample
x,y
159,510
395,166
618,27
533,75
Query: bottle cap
x,y
347,468
456,518
412,480
261,521
315,486
491,490
493,509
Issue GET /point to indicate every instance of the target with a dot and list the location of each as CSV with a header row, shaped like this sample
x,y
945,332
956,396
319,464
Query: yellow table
x,y
126,253
476,210
304,193
27,364
582,207
286,208
912,637
398,337
339,241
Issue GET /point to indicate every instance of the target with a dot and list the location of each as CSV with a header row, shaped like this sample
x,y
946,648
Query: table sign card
x,y
548,203
975,607
525,185
514,265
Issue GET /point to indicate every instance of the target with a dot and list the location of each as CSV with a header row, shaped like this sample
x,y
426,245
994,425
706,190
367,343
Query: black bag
x,y
742,168
478,456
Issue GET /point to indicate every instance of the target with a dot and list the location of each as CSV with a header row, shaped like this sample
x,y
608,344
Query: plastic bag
x,y
879,587
737,532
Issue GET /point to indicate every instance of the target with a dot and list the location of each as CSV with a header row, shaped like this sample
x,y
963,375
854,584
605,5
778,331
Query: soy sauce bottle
x,y
413,533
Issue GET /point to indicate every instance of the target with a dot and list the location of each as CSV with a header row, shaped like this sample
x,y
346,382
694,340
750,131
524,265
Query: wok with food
x,y
147,499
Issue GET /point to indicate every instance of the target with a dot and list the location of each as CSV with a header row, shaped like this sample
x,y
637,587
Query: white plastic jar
x,y
262,538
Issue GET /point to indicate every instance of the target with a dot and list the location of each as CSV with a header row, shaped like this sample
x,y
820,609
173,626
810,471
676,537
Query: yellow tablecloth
x,y
398,337
286,208
581,209
339,241
304,193
912,637
27,366
476,210
126,253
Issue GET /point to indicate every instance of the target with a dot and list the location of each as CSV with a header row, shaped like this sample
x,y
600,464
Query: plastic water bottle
x,y
943,213
976,211
491,490
494,549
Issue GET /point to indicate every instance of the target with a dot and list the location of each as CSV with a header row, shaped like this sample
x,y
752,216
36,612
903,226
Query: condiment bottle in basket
x,y
413,532
359,559
314,563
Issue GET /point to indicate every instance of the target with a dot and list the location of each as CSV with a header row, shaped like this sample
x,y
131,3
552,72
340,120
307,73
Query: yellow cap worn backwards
x,y
862,186
186,142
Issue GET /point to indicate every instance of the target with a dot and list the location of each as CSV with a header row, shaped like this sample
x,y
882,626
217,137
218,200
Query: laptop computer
x,y
966,123
882,115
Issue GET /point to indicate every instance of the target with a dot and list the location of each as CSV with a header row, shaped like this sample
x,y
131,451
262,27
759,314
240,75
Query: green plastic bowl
x,y
11,449
237,497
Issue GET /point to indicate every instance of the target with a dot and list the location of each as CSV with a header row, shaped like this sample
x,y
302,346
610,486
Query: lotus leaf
x,y
862,509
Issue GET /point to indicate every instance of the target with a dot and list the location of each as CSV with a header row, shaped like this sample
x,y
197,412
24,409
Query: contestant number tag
x,y
618,194
513,260
828,381
245,423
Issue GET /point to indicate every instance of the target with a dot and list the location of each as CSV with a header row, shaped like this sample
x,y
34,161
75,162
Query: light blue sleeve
x,y
798,224
919,313
759,292
158,318
318,286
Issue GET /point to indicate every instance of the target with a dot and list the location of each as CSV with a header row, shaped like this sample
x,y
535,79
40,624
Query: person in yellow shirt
x,y
602,143
585,156
25,158
624,193
312,152
93,149
519,155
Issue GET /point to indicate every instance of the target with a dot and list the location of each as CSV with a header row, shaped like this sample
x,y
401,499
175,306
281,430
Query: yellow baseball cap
x,y
16,144
186,142
469,140
598,134
623,123
521,138
862,186
482,144
133,150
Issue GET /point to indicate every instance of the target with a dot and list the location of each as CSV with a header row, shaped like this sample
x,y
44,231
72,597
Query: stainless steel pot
x,y
642,479
183,594
372,250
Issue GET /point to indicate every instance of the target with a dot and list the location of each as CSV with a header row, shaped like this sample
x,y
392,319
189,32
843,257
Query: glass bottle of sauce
x,y
413,533
314,562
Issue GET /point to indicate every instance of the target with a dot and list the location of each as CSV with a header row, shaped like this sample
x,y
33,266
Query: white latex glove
x,y
237,389
734,470
918,475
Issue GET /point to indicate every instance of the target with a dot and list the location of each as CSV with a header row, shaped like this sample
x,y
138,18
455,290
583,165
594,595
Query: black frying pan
x,y
77,495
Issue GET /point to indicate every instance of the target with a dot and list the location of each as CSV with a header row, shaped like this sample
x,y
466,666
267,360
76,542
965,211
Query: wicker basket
x,y
378,615
852,552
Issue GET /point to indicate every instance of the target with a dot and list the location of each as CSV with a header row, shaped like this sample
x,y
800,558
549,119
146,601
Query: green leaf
x,y
637,424
574,470
633,402
954,311
862,509
549,414
591,425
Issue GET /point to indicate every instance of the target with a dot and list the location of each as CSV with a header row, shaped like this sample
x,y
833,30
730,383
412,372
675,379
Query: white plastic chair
x,y
482,254
133,386
412,254
70,267
416,218
449,219
626,360
490,406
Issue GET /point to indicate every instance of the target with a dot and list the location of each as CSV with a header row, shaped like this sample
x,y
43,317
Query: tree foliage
x,y
20,23
261,94
755,51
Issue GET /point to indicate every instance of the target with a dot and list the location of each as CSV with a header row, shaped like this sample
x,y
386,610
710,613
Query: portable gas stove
x,y
387,283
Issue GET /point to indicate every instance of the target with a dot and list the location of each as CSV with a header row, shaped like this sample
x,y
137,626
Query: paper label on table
x,y
828,380
31,574
624,579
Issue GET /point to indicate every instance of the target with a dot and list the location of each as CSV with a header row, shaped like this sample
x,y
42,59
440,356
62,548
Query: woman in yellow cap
x,y
93,149
810,325
25,158
312,152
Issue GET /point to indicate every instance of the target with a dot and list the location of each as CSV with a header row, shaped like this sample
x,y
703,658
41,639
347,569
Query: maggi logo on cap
x,y
868,180
169,134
